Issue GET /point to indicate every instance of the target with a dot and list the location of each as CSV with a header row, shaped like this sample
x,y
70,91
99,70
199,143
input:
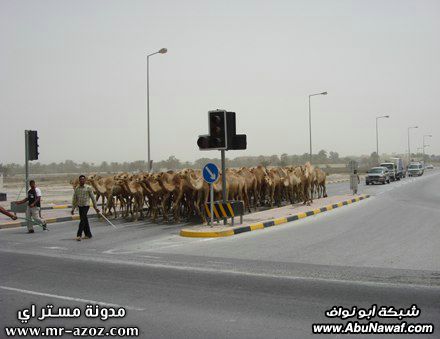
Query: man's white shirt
x,y
38,192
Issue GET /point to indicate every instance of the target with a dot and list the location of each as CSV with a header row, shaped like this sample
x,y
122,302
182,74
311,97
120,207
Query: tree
x,y
172,163
104,167
334,156
322,156
274,160
4,169
284,159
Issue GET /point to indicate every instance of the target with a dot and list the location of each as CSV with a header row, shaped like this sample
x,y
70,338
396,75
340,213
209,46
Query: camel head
x,y
92,177
185,173
74,183
122,177
142,179
268,180
304,171
144,176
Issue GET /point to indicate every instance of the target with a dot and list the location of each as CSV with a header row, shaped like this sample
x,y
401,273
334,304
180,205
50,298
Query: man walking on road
x,y
81,199
354,182
33,200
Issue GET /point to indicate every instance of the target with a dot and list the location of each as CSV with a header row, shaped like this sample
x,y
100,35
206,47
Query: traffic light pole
x,y
211,190
224,180
26,146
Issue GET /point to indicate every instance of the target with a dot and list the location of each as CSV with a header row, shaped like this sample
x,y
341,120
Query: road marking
x,y
71,298
119,251
55,248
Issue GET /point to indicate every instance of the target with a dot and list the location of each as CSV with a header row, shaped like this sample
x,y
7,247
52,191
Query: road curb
x,y
261,225
48,220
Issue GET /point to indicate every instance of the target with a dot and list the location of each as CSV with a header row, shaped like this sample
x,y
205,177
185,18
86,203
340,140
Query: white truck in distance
x,y
415,169
395,167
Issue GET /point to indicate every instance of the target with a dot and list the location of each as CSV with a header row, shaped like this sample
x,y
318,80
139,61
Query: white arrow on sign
x,y
212,175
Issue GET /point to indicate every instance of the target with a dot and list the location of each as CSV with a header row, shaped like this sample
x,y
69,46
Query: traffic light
x,y
32,145
235,141
217,137
222,134
218,129
238,142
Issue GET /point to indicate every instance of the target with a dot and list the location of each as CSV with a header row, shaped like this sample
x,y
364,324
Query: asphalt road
x,y
271,283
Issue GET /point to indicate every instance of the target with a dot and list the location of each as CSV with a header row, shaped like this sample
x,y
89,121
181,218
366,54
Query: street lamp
x,y
377,134
310,121
409,145
424,145
161,51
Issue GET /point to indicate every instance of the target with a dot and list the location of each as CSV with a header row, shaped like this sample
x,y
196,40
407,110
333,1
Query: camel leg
x,y
272,196
103,203
153,206
134,215
305,195
164,206
246,201
199,206
176,206
141,206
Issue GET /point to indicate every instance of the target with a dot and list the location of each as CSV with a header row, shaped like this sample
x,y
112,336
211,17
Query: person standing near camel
x,y
81,199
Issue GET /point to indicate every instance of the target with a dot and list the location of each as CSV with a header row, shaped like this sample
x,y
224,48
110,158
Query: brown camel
x,y
321,182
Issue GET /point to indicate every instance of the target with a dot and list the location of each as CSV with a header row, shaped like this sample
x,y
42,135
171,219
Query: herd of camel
x,y
183,193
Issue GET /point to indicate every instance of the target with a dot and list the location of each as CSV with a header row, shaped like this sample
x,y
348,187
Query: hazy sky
x,y
76,72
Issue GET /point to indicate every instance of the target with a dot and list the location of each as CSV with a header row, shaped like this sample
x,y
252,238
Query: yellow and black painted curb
x,y
48,220
227,209
266,224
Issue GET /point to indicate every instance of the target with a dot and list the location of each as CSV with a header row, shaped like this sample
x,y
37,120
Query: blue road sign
x,y
210,173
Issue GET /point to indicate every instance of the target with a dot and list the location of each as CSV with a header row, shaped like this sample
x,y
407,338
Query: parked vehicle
x,y
415,169
429,166
392,169
400,168
379,175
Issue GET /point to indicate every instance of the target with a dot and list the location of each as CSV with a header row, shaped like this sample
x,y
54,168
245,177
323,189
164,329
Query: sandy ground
x,y
53,193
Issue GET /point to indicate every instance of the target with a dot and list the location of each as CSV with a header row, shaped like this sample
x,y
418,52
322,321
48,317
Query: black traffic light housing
x,y
222,133
32,145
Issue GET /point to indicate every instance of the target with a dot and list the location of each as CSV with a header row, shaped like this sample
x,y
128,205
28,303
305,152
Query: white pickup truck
x,y
415,169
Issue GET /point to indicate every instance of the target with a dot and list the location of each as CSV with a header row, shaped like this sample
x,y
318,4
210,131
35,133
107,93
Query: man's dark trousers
x,y
84,222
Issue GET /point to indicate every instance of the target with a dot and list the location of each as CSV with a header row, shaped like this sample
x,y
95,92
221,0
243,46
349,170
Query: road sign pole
x,y
26,147
224,180
210,175
212,203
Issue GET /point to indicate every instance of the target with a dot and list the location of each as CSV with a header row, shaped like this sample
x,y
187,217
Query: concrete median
x,y
272,217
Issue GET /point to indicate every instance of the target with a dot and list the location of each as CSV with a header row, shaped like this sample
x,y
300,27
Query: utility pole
x,y
310,121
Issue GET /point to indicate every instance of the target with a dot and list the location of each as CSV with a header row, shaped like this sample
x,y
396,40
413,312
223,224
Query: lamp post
x,y
161,51
377,133
409,144
310,121
424,145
